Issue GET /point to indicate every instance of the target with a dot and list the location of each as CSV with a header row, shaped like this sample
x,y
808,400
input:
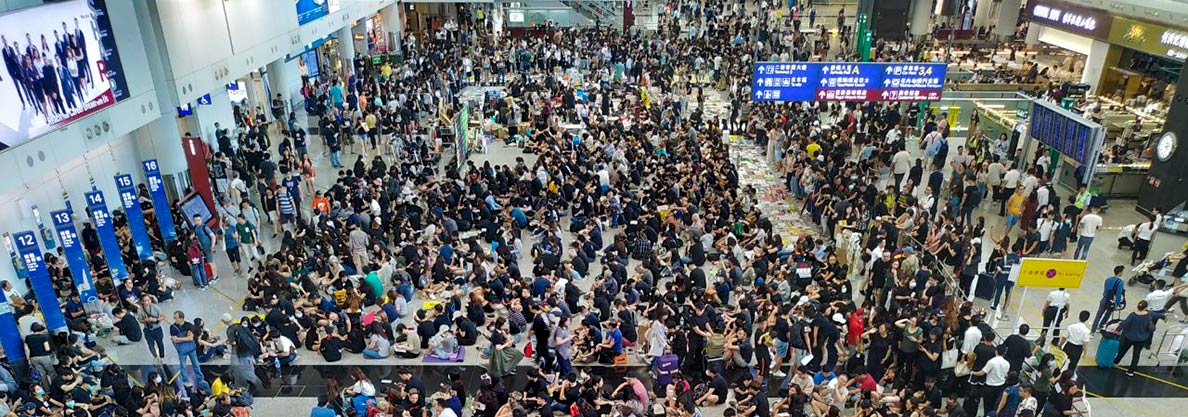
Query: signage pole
x,y
39,280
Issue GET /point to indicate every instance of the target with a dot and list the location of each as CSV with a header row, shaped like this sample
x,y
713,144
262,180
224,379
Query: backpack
x,y
716,346
243,339
943,151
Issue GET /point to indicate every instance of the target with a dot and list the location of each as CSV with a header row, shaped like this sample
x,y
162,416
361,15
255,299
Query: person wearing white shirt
x,y
1157,299
973,336
995,371
1029,183
1142,243
1010,181
893,135
901,163
1055,310
1073,343
442,409
1045,226
1087,230
1042,195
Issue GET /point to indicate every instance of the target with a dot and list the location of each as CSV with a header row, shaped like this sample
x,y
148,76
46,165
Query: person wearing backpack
x,y
1113,296
246,348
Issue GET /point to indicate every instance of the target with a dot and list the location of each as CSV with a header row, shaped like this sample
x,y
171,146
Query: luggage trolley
x,y
1172,346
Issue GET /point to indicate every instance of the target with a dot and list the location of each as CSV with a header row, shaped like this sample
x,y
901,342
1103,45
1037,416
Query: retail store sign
x,y
1150,38
847,81
1069,17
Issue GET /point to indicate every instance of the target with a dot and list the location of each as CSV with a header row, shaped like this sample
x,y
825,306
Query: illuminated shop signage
x,y
1071,18
1150,38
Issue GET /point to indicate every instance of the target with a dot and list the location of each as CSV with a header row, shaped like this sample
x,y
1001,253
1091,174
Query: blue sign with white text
x,y
847,81
76,258
97,206
140,237
156,187
39,279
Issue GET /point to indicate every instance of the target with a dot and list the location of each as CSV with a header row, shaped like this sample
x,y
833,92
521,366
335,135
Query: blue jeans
x,y
209,354
187,351
372,354
1002,285
1082,250
198,272
335,159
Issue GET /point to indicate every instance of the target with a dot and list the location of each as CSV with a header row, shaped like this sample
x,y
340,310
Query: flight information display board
x,y
848,81
1063,133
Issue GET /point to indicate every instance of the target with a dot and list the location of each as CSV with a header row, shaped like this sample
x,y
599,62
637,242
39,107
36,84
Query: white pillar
x,y
982,13
1033,33
1008,15
346,49
161,139
285,79
253,97
393,19
219,111
1095,63
921,17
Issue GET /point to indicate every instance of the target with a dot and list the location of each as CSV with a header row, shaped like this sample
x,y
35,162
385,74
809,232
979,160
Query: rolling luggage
x,y
1106,351
985,286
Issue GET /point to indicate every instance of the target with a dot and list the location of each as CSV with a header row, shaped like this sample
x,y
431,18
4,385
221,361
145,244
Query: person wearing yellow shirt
x,y
1014,208
813,148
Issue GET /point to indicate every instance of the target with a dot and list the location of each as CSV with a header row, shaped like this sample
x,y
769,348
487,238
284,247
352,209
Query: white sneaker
x,y
778,374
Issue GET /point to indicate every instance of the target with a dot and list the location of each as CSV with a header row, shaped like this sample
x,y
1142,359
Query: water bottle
x,y
276,363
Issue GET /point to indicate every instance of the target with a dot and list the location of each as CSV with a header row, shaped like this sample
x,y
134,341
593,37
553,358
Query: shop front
x,y
1073,41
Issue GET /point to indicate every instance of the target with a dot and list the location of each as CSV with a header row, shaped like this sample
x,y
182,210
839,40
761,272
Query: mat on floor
x,y
457,357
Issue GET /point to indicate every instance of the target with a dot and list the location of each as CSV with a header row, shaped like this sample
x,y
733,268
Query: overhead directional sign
x,y
847,81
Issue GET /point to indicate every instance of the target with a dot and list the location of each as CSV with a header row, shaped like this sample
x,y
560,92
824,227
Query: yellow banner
x,y
1051,273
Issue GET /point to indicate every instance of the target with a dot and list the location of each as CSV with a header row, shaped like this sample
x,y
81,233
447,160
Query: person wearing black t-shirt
x,y
128,329
330,345
718,389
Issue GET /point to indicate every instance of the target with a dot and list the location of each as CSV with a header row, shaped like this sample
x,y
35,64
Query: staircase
x,y
606,12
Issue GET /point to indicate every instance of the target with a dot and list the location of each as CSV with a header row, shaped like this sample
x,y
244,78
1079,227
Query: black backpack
x,y
243,339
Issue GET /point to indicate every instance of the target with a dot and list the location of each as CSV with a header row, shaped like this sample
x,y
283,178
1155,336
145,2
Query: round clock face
x,y
1165,146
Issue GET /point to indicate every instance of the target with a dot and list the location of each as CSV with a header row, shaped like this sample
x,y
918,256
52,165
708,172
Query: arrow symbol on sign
x,y
823,81
762,69
884,94
888,69
886,82
758,95
821,94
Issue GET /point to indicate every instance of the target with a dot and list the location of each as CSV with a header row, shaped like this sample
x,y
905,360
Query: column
x,y
1033,33
1008,15
393,18
161,139
253,98
921,17
346,49
219,111
1095,63
285,79
982,13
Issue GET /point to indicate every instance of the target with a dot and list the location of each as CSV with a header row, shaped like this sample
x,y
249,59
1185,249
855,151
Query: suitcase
x,y
985,288
1106,351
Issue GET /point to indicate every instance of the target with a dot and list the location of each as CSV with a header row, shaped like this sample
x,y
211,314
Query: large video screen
x,y
60,64
311,10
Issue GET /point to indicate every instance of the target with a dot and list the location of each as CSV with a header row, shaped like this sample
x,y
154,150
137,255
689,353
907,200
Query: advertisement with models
x,y
60,64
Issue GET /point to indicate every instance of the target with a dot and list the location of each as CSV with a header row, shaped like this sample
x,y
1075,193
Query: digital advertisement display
x,y
60,65
847,81
311,10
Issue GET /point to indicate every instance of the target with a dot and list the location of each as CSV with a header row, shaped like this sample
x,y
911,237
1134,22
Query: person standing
x,y
231,241
181,334
1113,295
1137,330
40,353
1087,230
150,317
995,373
1142,241
197,264
1055,310
1010,182
1073,342
246,347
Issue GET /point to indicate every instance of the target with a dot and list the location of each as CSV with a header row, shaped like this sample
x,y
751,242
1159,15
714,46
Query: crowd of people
x,y
631,240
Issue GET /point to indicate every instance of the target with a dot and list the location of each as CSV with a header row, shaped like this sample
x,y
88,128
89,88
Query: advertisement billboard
x,y
60,65
311,10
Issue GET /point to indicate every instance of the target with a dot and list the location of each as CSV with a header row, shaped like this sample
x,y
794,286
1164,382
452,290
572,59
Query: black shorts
x,y
233,255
